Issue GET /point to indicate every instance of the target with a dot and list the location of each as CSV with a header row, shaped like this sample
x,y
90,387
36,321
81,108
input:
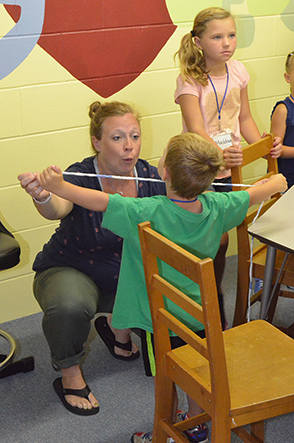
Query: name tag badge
x,y
222,139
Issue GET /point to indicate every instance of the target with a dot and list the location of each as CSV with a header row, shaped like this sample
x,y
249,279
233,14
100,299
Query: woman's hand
x,y
29,182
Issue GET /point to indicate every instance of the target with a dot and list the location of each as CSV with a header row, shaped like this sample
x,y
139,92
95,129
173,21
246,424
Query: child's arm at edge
x,y
263,191
51,179
278,127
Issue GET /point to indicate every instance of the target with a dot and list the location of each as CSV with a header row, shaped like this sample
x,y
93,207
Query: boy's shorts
x,y
147,347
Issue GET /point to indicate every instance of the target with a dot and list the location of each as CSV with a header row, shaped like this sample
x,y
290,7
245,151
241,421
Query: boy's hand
x,y
261,182
51,179
280,181
233,156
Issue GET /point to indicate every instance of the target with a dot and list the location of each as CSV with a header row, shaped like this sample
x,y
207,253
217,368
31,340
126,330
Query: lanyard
x,y
219,108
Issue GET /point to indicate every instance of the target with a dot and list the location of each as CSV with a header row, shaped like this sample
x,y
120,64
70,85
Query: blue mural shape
x,y
16,45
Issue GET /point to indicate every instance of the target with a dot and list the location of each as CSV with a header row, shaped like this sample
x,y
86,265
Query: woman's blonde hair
x,y
192,60
192,163
99,112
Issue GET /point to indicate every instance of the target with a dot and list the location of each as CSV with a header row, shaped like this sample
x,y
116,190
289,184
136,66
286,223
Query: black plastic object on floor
x,y
10,257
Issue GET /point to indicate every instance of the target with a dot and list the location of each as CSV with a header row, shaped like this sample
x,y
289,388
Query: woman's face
x,y
120,144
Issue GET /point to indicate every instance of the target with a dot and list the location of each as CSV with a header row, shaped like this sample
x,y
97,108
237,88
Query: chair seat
x,y
9,251
252,361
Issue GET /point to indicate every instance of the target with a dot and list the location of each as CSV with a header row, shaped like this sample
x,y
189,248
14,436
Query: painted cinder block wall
x,y
45,98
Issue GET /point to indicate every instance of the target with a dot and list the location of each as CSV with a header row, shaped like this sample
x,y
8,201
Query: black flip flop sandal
x,y
84,393
108,337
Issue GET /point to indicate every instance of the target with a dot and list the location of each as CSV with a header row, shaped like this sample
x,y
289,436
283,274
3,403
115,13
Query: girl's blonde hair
x,y
192,163
289,62
192,60
99,112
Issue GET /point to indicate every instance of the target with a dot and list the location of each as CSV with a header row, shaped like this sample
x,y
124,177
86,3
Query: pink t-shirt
x,y
238,80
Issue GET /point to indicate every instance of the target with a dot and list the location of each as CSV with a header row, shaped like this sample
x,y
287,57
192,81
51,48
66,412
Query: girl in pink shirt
x,y
212,88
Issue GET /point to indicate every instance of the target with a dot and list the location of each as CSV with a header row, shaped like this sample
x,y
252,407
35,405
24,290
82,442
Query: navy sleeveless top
x,y
286,165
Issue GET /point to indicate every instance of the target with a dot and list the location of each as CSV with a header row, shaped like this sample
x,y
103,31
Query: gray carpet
x,y
31,411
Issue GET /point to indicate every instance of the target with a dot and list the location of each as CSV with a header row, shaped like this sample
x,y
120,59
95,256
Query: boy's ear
x,y
95,143
286,77
165,174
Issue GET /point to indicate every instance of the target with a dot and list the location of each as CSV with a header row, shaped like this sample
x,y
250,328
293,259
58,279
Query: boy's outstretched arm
x,y
51,179
263,191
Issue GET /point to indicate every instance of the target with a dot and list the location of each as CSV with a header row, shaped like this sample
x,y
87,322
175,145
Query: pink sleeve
x,y
186,88
241,72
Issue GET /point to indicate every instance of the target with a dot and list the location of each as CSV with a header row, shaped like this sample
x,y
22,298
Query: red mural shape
x,y
106,44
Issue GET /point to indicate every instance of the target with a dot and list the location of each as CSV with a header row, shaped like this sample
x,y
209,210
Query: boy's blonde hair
x,y
192,163
192,61
289,62
99,112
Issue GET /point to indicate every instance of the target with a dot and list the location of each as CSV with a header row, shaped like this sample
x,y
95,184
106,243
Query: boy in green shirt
x,y
187,215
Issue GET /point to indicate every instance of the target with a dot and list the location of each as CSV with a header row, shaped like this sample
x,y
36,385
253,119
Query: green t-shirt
x,y
200,234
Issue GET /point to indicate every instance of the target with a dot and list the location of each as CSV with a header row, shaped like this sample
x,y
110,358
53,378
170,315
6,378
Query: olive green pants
x,y
69,300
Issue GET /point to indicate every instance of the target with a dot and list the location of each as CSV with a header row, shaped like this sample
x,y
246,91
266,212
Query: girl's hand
x,y
276,150
29,182
233,156
51,178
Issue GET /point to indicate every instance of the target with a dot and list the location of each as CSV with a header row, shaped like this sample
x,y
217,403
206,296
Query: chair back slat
x,y
183,331
178,297
256,150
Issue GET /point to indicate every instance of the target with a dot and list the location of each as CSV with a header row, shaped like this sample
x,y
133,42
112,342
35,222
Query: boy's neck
x,y
193,205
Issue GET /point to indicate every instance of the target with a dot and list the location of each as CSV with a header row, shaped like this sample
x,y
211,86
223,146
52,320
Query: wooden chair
x,y
252,153
240,376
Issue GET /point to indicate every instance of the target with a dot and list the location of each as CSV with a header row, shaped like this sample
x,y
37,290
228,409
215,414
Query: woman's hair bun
x,y
94,108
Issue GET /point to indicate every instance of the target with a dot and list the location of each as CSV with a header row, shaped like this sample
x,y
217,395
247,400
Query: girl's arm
x,y
51,179
264,190
248,127
53,208
278,127
192,115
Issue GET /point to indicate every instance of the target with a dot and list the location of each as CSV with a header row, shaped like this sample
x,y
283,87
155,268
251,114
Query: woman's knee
x,y
66,292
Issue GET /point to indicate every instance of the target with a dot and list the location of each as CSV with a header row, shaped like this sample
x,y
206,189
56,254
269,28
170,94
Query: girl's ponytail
x,y
192,61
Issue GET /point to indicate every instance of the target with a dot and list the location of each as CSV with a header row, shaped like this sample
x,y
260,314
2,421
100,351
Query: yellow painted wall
x,y
44,119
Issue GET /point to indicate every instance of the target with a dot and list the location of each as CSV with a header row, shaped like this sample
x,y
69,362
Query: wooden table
x,y
275,228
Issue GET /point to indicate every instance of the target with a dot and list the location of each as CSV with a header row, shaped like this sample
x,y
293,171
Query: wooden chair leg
x,y
257,430
241,304
165,397
220,430
273,305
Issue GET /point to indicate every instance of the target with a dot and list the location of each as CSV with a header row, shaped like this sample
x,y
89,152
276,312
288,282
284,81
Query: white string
x,y
250,290
119,177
